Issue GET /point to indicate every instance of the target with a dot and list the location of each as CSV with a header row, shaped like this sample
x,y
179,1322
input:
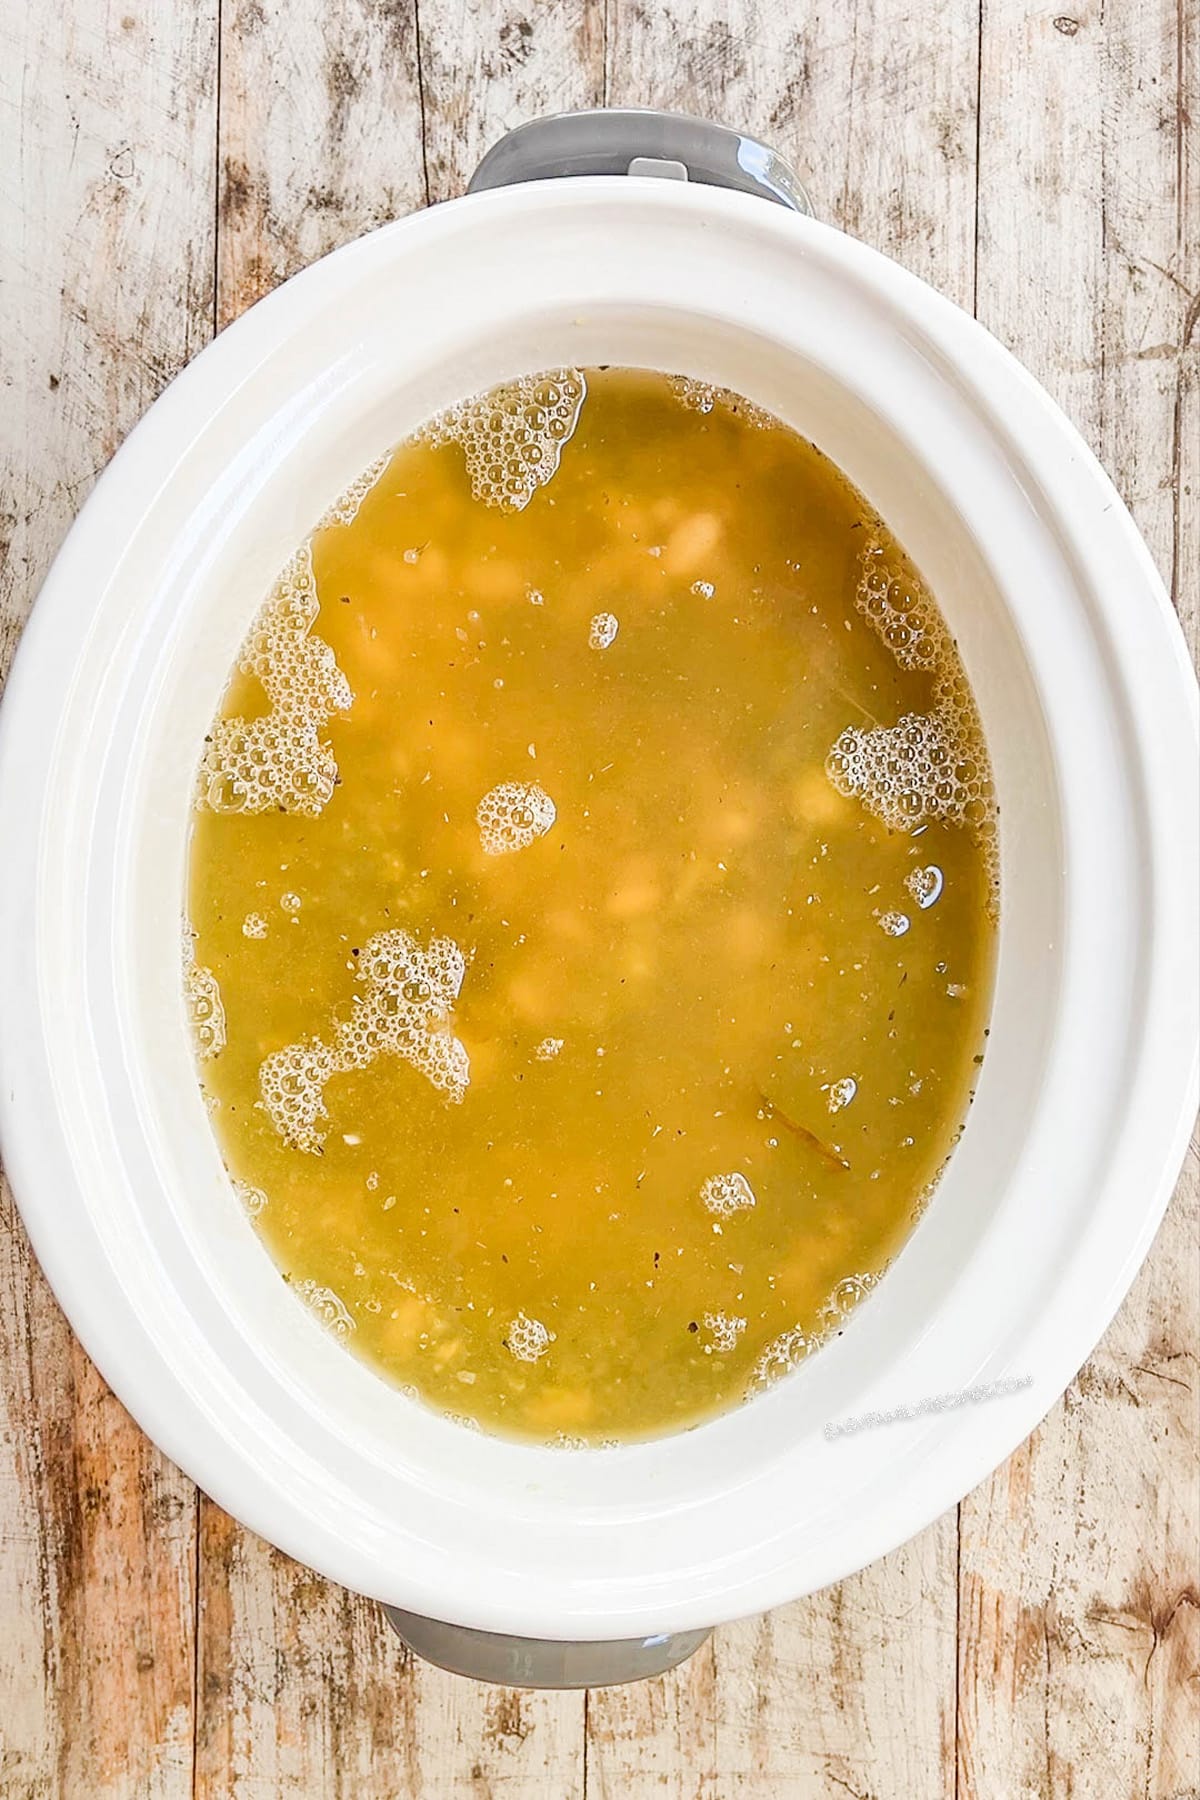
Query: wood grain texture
x,y
305,1691
96,1569
848,1692
874,103
106,228
1080,1610
320,135
488,65
1061,1657
1184,277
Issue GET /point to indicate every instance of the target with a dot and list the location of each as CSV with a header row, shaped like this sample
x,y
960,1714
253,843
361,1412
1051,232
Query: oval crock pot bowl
x,y
1087,1091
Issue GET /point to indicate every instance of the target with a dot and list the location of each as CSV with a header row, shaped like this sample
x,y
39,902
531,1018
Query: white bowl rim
x,y
1158,696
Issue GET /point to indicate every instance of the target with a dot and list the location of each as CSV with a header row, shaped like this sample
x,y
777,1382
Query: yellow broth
x,y
591,907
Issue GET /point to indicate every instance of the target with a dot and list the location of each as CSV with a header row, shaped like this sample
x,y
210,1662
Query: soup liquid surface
x,y
591,913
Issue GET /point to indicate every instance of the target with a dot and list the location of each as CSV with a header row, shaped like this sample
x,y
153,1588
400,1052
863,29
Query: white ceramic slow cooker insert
x,y
1088,1089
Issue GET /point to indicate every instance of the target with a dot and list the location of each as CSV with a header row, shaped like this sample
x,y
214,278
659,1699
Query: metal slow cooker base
x,y
542,1662
669,146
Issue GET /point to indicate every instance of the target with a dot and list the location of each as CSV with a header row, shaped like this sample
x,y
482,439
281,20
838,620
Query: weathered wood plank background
x,y
166,162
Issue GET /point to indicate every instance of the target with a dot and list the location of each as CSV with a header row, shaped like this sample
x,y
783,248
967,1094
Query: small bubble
x,y
252,1198
327,1307
780,1357
527,1339
725,1331
345,508
848,1294
205,1011
925,885
512,816
725,1194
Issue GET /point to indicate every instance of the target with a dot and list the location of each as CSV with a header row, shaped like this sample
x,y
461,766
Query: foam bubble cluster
x,y
602,630
206,1012
252,1198
324,1304
277,762
705,396
841,1093
925,885
790,1349
527,1339
344,510
786,1352
548,1049
725,1330
847,1295
403,1011
292,1083
513,816
901,613
725,1194
927,766
914,772
781,1356
512,436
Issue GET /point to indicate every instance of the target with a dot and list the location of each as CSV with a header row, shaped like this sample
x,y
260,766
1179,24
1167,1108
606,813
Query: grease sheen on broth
x,y
591,907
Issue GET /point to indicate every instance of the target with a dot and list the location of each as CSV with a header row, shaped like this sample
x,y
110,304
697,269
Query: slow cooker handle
x,y
632,140
541,1662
